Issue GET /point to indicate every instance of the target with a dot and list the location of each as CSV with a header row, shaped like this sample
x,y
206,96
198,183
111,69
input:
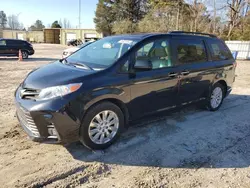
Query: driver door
x,y
156,89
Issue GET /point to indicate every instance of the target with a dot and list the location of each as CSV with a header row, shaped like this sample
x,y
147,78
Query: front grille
x,y
29,93
27,121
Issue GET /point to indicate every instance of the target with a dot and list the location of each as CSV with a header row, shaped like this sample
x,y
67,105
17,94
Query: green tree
x,y
228,19
104,17
132,10
124,26
37,26
3,19
110,15
129,12
55,24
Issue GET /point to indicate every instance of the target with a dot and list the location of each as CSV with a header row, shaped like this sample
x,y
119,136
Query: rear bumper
x,y
229,89
46,122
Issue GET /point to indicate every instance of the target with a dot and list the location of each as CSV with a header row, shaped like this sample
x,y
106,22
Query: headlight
x,y
58,91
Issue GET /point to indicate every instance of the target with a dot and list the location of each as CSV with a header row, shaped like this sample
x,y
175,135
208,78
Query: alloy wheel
x,y
216,97
24,54
103,127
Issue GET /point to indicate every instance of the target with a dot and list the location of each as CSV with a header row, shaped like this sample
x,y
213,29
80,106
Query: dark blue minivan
x,y
93,94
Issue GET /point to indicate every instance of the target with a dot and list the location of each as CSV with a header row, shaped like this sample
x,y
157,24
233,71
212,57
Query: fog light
x,y
52,131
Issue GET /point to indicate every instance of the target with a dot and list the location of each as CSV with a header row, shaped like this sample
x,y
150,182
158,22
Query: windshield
x,y
84,44
102,53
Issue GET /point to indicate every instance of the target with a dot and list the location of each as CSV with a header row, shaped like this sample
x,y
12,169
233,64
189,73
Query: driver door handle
x,y
185,73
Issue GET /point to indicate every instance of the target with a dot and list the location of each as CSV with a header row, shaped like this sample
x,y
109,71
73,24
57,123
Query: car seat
x,y
159,57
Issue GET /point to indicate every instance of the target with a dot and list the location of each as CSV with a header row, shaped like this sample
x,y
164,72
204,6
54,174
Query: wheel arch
x,y
224,84
115,101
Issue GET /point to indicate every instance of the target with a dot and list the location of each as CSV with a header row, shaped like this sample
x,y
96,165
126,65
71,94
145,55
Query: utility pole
x,y
79,14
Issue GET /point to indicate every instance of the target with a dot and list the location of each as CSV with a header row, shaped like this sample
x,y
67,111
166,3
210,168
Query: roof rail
x,y
192,33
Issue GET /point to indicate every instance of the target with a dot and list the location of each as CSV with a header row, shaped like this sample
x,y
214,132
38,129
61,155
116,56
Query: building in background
x,y
52,35
241,47
32,36
63,36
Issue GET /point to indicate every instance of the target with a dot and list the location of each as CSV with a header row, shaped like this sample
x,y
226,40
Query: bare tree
x,y
60,23
65,23
197,9
14,23
236,11
214,18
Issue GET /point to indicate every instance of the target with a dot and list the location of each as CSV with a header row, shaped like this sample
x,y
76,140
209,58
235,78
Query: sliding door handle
x,y
185,73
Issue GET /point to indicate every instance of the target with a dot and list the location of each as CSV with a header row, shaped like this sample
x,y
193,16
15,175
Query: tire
x,y
216,97
25,55
93,124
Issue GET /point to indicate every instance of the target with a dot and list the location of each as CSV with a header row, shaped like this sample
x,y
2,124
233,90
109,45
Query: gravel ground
x,y
187,148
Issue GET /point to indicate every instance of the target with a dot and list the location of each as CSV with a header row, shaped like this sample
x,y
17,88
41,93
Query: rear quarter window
x,y
2,42
190,51
219,51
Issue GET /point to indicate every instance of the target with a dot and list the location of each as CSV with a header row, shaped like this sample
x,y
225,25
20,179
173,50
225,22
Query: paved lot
x,y
187,148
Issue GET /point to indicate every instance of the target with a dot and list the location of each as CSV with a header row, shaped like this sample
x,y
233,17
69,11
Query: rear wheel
x,y
101,125
216,97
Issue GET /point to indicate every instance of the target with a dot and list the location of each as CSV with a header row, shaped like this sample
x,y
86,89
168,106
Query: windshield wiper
x,y
82,65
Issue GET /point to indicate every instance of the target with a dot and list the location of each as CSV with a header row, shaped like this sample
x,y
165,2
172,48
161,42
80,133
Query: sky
x,y
50,10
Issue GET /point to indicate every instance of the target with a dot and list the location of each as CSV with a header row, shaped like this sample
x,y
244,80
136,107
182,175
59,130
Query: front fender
x,y
104,94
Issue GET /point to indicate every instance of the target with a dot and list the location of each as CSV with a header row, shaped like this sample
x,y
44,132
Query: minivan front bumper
x,y
47,120
31,52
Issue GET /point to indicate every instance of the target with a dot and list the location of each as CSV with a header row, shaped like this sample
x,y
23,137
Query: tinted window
x,y
145,49
157,52
191,51
219,51
15,43
2,43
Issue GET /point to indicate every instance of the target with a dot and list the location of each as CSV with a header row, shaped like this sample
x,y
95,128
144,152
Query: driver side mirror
x,y
143,65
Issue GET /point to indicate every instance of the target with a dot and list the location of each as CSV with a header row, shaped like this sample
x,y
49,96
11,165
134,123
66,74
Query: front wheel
x,y
216,97
101,125
25,55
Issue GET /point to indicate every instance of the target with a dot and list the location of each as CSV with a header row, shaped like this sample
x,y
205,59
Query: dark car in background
x,y
93,94
11,47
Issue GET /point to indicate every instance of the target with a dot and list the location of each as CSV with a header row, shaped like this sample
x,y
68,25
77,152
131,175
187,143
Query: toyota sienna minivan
x,y
93,94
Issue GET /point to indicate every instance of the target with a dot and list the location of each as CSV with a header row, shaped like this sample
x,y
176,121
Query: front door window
x,y
157,52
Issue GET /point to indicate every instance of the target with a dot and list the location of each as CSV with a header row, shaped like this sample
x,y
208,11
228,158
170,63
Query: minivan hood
x,y
54,74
